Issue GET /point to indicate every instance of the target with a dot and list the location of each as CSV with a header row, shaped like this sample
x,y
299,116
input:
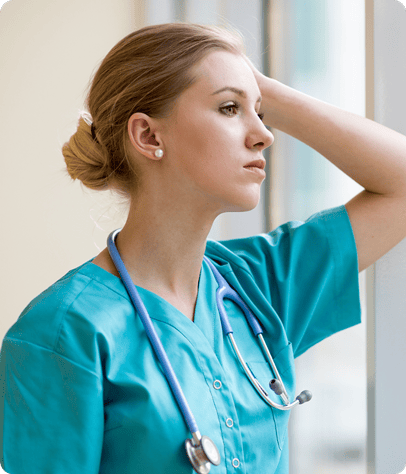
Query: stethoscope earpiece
x,y
304,396
202,454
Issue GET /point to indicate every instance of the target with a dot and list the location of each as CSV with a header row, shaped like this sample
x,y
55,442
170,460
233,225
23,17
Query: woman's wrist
x,y
275,101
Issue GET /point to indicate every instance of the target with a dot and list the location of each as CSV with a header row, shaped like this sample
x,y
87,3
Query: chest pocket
x,y
262,371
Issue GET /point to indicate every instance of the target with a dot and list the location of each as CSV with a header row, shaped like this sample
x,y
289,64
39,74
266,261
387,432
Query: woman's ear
x,y
143,135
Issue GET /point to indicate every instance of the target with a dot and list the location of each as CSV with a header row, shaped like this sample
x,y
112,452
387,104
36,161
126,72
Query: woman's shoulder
x,y
276,263
81,301
326,228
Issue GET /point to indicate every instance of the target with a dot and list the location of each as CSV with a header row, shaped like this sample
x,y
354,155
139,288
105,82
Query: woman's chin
x,y
245,205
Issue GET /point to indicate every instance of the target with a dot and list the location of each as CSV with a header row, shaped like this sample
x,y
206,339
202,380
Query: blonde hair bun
x,y
85,158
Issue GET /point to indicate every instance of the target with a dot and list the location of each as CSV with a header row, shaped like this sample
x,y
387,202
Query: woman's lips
x,y
256,164
257,167
256,170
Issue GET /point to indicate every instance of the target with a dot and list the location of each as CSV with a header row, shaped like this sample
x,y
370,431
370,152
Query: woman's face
x,y
212,136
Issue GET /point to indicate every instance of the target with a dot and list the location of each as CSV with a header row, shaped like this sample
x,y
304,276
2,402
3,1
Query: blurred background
x,y
49,50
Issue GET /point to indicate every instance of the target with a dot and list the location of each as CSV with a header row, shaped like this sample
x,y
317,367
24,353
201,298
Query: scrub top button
x,y
236,462
229,422
217,384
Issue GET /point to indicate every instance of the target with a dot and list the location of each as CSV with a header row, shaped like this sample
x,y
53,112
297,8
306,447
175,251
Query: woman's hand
x,y
269,89
260,78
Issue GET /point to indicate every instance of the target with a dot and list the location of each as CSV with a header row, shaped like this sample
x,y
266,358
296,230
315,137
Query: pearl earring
x,y
159,153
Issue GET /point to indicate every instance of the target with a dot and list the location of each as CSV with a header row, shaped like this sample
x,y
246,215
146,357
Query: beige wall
x,y
48,51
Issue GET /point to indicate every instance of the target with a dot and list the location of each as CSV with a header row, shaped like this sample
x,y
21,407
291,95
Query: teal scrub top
x,y
82,391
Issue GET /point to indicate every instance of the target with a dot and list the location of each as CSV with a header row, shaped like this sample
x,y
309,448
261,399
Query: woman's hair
x,y
145,72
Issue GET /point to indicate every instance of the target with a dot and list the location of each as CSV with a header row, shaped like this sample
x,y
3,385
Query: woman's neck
x,y
162,248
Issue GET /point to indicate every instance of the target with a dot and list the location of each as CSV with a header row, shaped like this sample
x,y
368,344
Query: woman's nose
x,y
261,138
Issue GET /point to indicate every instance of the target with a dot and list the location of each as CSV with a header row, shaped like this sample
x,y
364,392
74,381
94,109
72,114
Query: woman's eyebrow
x,y
237,91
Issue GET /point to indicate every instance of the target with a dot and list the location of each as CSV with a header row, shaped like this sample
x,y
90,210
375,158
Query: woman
x,y
177,123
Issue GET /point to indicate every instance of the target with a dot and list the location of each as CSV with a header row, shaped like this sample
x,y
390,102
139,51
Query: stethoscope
x,y
201,450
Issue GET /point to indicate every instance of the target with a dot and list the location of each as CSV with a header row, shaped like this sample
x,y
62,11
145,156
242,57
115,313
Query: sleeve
x,y
308,272
51,412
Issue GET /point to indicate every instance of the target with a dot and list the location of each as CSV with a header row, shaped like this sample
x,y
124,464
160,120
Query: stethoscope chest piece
x,y
202,455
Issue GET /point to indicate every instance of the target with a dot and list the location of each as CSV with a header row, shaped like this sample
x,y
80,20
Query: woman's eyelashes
x,y
235,105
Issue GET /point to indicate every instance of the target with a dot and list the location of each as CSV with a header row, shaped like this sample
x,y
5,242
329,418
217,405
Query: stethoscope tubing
x,y
225,291
152,335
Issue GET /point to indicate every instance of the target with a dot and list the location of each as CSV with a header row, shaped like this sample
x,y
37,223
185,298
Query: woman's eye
x,y
236,106
230,106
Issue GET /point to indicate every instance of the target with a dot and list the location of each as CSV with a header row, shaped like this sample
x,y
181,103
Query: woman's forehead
x,y
221,69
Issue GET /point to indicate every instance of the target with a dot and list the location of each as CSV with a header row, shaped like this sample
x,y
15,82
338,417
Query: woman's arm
x,y
371,154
